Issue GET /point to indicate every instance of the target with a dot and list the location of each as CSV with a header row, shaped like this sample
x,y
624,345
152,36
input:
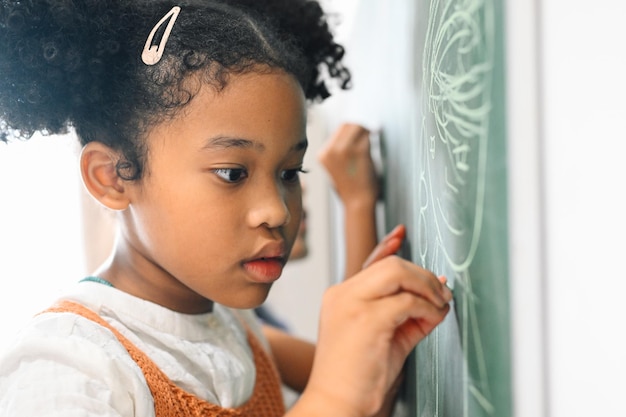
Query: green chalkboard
x,y
430,74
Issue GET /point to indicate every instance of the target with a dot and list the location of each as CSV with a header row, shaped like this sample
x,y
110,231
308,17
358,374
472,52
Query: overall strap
x,y
172,401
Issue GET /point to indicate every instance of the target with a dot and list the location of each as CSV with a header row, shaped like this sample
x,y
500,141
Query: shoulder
x,y
67,360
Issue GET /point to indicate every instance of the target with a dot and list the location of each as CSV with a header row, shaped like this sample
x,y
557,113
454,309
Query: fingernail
x,y
448,293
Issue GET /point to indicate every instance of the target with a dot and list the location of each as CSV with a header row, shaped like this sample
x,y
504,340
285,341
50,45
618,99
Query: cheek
x,y
295,210
189,224
208,223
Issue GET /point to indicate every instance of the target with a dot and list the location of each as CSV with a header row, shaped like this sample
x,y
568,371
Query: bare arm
x,y
293,357
346,157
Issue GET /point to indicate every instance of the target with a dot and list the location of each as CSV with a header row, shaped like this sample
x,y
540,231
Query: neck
x,y
134,274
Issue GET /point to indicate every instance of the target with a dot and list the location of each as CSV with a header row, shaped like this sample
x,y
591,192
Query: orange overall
x,y
172,401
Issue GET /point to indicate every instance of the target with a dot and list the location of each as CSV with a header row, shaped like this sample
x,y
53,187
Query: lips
x,y
265,270
267,265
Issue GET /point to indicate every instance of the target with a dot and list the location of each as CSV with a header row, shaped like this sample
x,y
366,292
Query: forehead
x,y
267,100
252,106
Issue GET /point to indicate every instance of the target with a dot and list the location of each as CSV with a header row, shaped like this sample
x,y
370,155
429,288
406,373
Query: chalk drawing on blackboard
x,y
458,60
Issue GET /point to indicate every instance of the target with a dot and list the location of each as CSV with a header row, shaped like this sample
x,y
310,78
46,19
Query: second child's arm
x,y
293,357
347,159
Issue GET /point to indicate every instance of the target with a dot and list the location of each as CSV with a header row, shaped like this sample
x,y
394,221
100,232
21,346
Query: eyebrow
x,y
302,145
225,142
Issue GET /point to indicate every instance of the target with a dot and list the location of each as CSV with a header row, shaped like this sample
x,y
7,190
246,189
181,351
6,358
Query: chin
x,y
252,299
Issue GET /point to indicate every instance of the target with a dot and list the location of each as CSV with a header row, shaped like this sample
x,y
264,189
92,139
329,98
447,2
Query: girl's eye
x,y
292,175
232,175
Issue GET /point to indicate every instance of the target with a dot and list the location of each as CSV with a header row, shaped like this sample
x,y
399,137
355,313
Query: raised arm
x,y
346,157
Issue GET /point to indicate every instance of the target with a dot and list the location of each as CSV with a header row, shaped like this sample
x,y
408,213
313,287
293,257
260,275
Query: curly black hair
x,y
77,63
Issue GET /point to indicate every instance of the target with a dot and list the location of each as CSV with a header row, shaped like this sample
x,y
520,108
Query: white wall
x,y
41,247
566,60
583,84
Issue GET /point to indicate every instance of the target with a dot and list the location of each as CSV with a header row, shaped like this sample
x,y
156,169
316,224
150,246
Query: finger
x,y
398,232
352,132
412,331
411,317
446,287
389,245
347,141
393,275
382,250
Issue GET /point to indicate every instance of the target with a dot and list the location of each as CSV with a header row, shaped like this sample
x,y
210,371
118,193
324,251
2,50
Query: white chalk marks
x,y
457,78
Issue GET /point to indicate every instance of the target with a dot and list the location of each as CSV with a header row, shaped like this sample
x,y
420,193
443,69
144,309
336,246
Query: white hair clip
x,y
152,53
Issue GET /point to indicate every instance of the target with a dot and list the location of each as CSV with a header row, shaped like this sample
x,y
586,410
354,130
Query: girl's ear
x,y
97,168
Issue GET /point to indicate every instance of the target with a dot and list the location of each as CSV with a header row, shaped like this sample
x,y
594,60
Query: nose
x,y
269,207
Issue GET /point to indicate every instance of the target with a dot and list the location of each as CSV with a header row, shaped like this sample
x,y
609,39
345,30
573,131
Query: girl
x,y
192,120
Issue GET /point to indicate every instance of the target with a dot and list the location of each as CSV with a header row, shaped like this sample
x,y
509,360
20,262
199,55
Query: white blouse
x,y
63,364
